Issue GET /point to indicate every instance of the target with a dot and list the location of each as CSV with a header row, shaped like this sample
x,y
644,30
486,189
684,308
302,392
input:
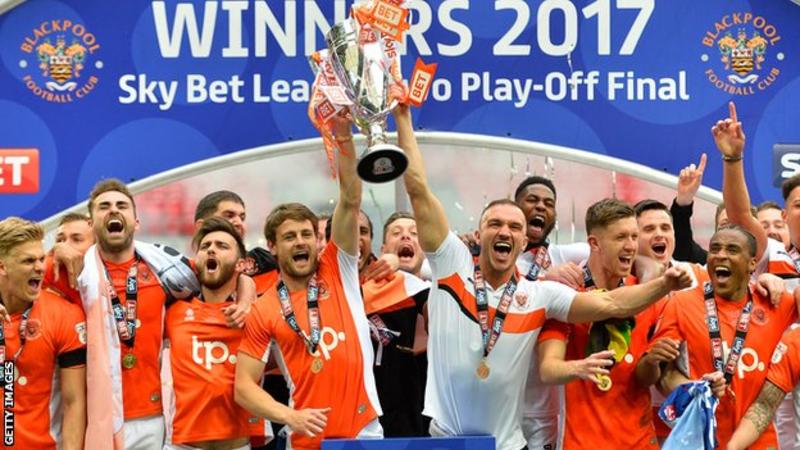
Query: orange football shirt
x,y
684,320
345,382
56,337
141,384
202,357
588,422
784,369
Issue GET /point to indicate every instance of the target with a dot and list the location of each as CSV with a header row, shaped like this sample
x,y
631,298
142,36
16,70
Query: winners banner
x,y
92,89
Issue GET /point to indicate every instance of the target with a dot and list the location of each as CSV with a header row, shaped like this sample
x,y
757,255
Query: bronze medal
x,y
316,365
483,370
128,361
605,383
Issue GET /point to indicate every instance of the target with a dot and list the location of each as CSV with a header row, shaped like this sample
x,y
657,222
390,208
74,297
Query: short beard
x,y
108,247
226,272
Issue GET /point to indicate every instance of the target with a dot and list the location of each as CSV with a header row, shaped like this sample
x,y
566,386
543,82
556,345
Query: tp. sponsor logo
x,y
328,342
213,352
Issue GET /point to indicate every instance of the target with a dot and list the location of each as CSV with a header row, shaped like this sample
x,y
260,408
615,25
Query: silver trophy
x,y
361,70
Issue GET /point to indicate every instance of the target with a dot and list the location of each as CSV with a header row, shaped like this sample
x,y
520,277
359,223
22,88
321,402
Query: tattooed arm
x,y
757,418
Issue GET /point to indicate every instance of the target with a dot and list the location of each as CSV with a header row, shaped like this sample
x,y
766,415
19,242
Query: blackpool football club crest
x,y
61,59
743,53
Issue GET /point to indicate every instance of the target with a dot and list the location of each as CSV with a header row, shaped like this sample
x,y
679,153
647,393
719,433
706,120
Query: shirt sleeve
x,y
257,334
784,369
71,339
686,249
451,257
575,253
559,299
667,326
554,329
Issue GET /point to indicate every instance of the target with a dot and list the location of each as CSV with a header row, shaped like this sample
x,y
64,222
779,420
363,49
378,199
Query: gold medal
x,y
128,361
605,383
483,370
316,365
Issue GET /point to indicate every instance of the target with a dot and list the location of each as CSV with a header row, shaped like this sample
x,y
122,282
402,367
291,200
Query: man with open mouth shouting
x,y
729,331
315,317
43,343
597,360
475,380
202,357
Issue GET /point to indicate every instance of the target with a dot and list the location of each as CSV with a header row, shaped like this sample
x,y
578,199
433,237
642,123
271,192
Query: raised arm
x,y
626,301
432,223
689,181
757,418
730,140
344,230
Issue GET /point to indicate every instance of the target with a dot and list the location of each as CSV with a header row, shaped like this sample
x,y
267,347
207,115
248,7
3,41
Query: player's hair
x,y
535,179
789,185
752,246
213,224
768,204
498,202
284,212
109,185
15,231
605,212
397,215
72,217
207,205
650,205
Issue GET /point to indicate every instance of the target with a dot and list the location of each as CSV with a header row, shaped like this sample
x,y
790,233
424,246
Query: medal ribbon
x,y
482,303
314,319
742,326
541,261
125,317
23,335
382,335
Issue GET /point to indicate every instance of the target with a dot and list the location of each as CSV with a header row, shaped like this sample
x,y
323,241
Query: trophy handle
x,y
382,163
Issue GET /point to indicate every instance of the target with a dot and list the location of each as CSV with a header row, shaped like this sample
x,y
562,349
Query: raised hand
x,y
689,181
729,135
677,278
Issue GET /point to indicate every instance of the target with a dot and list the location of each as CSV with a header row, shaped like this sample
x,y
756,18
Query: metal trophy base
x,y
382,163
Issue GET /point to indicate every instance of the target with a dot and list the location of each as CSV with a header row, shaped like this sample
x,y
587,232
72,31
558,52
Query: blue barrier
x,y
450,443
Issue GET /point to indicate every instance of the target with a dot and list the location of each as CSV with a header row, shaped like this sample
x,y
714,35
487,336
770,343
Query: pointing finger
x,y
702,166
732,111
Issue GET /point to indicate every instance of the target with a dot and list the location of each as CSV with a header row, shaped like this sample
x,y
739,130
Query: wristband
x,y
727,158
